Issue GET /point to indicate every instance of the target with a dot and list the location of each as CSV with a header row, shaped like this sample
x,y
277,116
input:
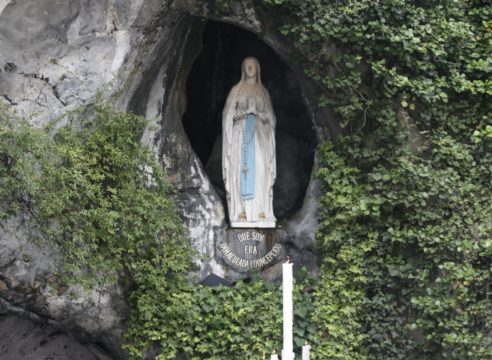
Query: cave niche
x,y
214,72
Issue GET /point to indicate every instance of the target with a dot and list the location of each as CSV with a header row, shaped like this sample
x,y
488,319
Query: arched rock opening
x,y
182,90
138,56
214,72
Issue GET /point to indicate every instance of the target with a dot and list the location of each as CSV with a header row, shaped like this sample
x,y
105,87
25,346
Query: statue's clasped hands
x,y
252,110
251,106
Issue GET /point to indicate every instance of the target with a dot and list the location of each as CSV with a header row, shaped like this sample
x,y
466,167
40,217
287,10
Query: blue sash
x,y
247,179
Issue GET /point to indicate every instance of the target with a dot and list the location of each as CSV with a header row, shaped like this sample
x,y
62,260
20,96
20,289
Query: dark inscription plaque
x,y
249,249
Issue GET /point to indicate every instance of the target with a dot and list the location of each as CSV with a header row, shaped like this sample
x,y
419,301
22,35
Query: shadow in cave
x,y
214,72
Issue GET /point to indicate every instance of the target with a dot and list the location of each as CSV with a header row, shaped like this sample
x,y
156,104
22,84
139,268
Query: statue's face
x,y
250,68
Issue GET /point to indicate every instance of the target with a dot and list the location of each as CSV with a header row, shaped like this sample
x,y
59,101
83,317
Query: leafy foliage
x,y
406,226
96,193
239,322
405,240
417,238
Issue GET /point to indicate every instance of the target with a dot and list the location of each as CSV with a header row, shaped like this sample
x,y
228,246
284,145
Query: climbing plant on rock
x,y
405,238
406,231
96,193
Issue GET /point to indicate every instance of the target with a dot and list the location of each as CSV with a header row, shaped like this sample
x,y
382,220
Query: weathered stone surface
x,y
272,273
57,55
26,340
27,270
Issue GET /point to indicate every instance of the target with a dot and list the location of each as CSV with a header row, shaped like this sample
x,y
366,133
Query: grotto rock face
x,y
137,54
28,340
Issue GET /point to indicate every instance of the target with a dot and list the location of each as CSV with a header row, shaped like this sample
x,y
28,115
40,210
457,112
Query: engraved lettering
x,y
247,250
256,236
250,250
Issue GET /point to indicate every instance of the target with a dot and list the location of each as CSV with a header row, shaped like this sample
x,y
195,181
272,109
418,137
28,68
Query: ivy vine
x,y
405,238
406,233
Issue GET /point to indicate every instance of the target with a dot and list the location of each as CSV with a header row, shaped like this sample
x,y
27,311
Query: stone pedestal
x,y
258,224
247,250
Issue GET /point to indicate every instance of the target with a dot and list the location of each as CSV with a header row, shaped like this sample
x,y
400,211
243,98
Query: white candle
x,y
305,351
274,357
287,284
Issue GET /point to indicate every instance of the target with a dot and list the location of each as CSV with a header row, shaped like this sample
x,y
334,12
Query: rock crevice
x,y
139,56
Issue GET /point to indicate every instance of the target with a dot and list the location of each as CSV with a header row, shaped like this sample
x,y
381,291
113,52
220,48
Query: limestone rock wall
x,y
27,340
58,55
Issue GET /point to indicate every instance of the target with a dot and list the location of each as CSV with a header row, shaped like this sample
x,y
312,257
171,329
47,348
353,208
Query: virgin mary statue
x,y
248,150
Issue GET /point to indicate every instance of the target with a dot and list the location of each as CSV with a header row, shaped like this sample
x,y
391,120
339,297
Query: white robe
x,y
257,212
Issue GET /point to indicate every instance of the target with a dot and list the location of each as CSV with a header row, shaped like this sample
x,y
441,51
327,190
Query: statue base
x,y
251,225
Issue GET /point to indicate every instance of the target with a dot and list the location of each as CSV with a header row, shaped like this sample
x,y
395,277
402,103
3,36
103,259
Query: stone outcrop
x,y
58,55
27,340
